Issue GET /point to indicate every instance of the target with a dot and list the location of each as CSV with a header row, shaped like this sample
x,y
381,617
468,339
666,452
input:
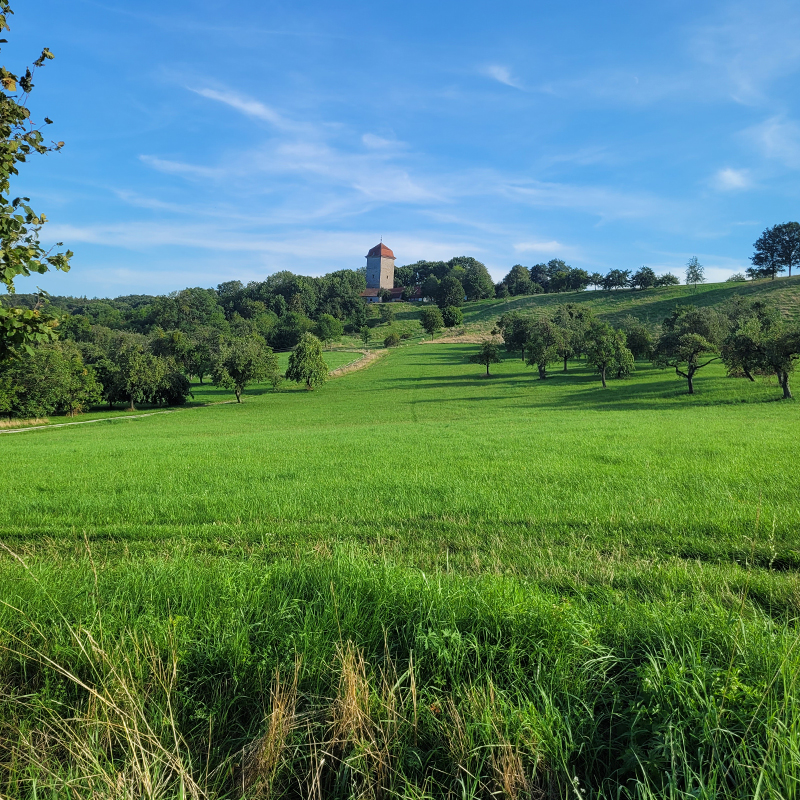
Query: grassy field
x,y
414,581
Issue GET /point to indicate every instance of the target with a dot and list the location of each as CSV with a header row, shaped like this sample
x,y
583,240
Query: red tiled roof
x,y
380,250
370,292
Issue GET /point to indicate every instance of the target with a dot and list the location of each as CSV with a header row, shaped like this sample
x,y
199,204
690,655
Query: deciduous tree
x,y
695,272
431,320
542,345
243,360
688,336
606,351
452,317
306,364
21,253
489,353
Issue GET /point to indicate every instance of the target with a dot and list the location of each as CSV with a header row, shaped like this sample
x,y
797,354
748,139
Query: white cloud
x,y
179,168
248,106
502,74
729,179
779,138
378,142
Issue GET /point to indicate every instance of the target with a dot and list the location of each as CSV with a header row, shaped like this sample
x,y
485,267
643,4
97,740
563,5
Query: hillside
x,y
650,306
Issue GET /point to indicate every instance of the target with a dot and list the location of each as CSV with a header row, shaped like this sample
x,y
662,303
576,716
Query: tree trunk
x,y
487,369
691,385
565,363
200,378
748,375
132,407
783,380
238,392
603,377
542,372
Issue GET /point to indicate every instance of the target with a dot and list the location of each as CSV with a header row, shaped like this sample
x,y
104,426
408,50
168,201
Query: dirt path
x,y
367,357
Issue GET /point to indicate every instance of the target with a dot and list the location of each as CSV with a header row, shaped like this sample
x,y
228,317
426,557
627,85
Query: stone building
x,y
380,273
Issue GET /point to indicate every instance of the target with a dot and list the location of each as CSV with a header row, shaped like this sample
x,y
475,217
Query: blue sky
x,y
212,141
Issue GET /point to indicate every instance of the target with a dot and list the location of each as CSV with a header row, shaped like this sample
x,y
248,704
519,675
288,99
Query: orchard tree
x,y
489,353
667,279
392,340
542,345
430,287
431,320
761,342
241,361
643,278
306,364
688,337
21,253
606,350
639,338
518,280
596,280
776,250
366,334
574,322
515,330
695,272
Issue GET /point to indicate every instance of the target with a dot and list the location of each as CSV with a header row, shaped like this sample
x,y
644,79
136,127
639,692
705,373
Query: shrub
x,y
452,317
392,340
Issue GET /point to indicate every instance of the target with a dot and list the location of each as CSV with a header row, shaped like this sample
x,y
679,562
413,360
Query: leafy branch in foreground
x,y
21,253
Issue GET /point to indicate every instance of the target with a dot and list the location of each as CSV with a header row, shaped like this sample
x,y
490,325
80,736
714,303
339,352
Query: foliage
x,y
241,361
430,287
387,313
329,328
366,334
476,280
574,322
21,253
392,340
48,378
695,273
776,250
667,279
644,278
431,320
737,277
306,364
450,292
638,337
518,281
514,328
616,279
606,351
452,317
760,342
489,353
544,340
687,335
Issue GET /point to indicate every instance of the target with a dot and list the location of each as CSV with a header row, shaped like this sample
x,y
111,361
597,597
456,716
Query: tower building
x,y
380,268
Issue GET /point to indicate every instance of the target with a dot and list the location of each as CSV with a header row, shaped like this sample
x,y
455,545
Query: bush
x,y
737,277
392,340
405,335
452,317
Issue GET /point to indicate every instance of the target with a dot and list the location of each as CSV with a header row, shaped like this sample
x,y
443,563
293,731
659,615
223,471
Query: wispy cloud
x,y
729,179
502,74
249,107
779,138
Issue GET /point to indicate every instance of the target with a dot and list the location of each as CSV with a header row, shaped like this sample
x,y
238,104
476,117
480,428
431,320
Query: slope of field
x,y
493,587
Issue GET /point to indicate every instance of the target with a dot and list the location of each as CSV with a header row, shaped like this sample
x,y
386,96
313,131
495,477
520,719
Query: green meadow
x,y
414,581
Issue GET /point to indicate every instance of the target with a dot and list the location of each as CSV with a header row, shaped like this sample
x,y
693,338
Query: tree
x,y
452,317
477,282
596,280
616,279
638,337
489,353
606,350
451,292
431,320
387,313
573,322
392,340
306,364
515,330
643,278
737,277
688,335
667,279
776,250
366,335
20,250
241,361
761,342
518,280
501,291
329,328
430,286
695,272
542,346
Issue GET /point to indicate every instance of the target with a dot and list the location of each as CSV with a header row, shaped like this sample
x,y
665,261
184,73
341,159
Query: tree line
x,y
749,336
